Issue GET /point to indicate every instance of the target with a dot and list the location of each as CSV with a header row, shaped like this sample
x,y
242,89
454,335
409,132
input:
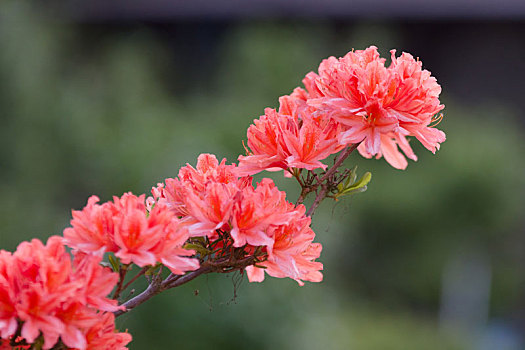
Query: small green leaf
x,y
357,187
353,176
200,239
197,247
115,263
352,191
362,182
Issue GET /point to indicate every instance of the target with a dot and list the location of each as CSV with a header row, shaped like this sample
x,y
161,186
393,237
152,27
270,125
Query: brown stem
x,y
321,194
141,272
296,172
318,199
122,275
152,290
157,286
186,278
339,160
304,188
302,196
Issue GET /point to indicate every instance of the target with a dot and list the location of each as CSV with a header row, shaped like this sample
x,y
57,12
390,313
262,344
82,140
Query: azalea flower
x,y
292,254
134,234
289,138
103,336
193,181
48,294
211,209
255,211
379,106
215,198
92,228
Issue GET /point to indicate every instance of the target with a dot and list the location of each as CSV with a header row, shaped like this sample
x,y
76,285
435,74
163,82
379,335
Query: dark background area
x,y
108,97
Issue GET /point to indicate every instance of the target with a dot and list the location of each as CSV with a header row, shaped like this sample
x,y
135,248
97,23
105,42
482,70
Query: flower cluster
x,y
134,234
292,255
44,293
353,99
212,218
290,138
211,198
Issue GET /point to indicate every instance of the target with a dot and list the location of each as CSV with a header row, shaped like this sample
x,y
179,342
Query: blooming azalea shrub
x,y
211,217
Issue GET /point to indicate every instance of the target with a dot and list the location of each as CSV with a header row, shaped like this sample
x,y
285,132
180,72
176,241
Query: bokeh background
x,y
104,97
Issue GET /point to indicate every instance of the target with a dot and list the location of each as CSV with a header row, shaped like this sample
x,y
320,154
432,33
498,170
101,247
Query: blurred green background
x,y
428,258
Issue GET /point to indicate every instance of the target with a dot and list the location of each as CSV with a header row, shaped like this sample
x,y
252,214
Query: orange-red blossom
x,y
352,99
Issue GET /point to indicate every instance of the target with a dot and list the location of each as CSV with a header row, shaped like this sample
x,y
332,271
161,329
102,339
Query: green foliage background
x,y
86,114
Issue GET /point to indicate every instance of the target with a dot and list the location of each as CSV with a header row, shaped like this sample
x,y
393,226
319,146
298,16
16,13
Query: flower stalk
x,y
322,185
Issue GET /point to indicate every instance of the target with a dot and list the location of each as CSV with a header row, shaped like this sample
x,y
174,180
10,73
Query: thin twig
x,y
302,196
297,174
122,275
152,290
318,199
322,193
141,272
186,278
339,160
156,286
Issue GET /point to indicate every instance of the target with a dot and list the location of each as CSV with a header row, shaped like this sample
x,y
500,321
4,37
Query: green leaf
x,y
352,191
200,239
353,176
115,263
197,247
357,187
362,182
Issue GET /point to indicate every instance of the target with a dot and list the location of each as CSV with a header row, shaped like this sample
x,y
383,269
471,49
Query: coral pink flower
x,y
201,196
51,296
253,216
255,210
208,169
292,254
135,233
102,335
169,250
193,181
95,283
380,106
211,209
290,138
126,228
8,314
214,198
93,228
